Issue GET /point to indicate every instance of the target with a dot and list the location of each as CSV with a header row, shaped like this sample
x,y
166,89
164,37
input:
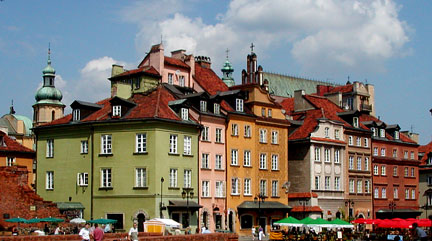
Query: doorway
x,y
231,221
141,220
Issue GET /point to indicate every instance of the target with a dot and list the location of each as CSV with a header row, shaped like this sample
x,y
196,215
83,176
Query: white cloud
x,y
323,34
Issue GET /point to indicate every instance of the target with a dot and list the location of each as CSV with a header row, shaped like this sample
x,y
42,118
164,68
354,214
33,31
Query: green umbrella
x,y
306,220
16,220
34,220
319,222
289,221
103,221
340,223
52,220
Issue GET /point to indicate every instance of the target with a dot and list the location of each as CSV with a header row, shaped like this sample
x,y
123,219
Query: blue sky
x,y
386,43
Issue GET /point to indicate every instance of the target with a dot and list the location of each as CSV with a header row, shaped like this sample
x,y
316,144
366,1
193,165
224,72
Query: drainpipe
x,y
91,171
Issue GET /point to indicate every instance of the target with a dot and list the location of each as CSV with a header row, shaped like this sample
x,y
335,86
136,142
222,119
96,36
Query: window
x,y
220,189
351,163
246,158
82,179
187,177
356,122
395,171
412,155
317,154
205,161
395,153
396,135
106,144
406,154
141,143
173,177
327,183
337,183
263,161
239,105
205,134
10,161
234,129
76,116
234,157
382,132
383,151
375,170
406,193
140,177
235,186
247,186
218,135
203,106
49,183
373,131
337,156
359,163
395,193
366,164
263,187
170,79
326,132
367,186
106,177
337,134
326,155
406,171
366,142
173,144
376,193
351,186
116,110
412,172
216,108
181,80
429,160
375,151
187,145
413,195
358,141
429,199
247,131
50,148
218,162
275,162
185,113
359,186
270,113
246,221
383,170
263,136
429,180
263,112
84,147
317,182
205,189
383,192
350,140
275,189
274,137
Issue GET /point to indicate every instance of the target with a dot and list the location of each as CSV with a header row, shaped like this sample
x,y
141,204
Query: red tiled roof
x,y
146,69
426,149
175,62
334,89
11,145
299,195
209,80
309,125
306,209
288,104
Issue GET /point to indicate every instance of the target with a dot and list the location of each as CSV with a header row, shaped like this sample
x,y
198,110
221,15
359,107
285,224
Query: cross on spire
x,y
252,47
49,52
227,51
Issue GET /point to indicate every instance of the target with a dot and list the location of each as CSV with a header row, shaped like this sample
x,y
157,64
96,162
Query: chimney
x,y
203,61
411,135
116,70
156,58
178,54
322,89
190,60
299,100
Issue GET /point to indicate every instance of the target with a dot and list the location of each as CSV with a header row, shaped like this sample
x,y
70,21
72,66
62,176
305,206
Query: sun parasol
x,y
77,220
289,222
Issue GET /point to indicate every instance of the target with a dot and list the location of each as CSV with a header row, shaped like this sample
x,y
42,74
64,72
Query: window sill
x,y
247,166
235,165
247,195
188,155
235,194
276,144
173,188
234,135
105,154
49,189
84,153
140,188
173,154
248,137
140,153
205,197
205,168
219,169
262,142
275,170
219,142
263,169
220,197
275,196
106,188
208,141
49,156
83,185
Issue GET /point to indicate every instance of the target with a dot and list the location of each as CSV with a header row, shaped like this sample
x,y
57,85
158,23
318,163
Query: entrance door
x,y
141,220
262,223
231,222
218,221
205,220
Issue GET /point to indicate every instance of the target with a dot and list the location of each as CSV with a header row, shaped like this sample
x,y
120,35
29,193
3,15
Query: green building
x,y
128,159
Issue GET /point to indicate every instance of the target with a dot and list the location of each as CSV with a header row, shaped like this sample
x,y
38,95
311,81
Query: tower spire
x,y
49,52
227,71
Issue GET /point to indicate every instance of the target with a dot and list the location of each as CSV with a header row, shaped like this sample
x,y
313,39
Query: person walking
x,y
85,233
253,233
98,233
261,234
133,232
419,233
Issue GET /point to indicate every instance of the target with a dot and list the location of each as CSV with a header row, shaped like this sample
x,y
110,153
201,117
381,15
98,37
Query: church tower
x,y
227,71
48,106
253,73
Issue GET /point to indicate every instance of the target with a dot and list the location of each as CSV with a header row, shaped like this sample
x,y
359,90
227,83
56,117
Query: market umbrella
x,y
168,222
289,221
52,220
306,220
359,221
394,224
373,221
34,220
77,220
341,224
103,221
424,222
16,220
319,222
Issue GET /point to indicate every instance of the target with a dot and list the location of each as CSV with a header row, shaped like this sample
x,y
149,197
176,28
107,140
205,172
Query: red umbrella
x,y
394,224
359,221
424,222
374,221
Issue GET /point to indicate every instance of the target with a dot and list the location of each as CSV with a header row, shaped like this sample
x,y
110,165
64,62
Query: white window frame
x,y
247,158
82,179
366,142
395,193
219,138
367,186
269,113
235,189
326,132
84,147
187,178
10,161
359,163
383,152
336,156
356,122
413,194
247,187
170,78
376,192
275,162
358,141
351,163
406,172
383,192
187,145
239,105
203,106
395,171
205,133
317,154
76,115
406,154
49,180
173,177
275,137
234,129
234,157
317,182
275,188
205,187
140,177
205,162
173,144
219,188
50,148
218,162
263,136
327,183
337,183
366,163
106,177
263,188
351,186
412,172
376,170
184,113
383,170
263,161
106,144
247,130
382,132
141,143
116,110
337,134
412,155
395,153
182,80
327,154
396,135
407,196
375,151
359,186
216,108
350,140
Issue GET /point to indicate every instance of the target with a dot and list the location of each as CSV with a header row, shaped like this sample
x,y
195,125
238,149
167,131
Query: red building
x,y
395,173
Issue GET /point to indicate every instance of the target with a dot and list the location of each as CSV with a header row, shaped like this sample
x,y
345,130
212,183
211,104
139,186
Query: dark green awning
x,y
70,205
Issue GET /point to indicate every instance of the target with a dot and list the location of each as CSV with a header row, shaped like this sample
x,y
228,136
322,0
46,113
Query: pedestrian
x,y
85,233
261,234
133,232
46,229
419,233
98,233
253,233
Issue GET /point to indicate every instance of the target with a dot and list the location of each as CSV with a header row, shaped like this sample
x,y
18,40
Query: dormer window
x,y
396,135
269,113
373,131
382,132
326,132
76,115
216,109
182,81
239,105
203,106
117,111
355,122
185,113
263,112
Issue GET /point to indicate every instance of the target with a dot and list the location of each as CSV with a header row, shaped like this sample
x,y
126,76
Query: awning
x,y
398,213
183,205
269,205
70,205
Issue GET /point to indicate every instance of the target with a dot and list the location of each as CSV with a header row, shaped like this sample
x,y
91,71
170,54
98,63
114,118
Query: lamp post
x,y
392,206
303,203
161,202
187,193
260,199
349,203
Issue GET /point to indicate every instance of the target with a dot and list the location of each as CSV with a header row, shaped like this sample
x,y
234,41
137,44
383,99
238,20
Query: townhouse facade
x,y
425,179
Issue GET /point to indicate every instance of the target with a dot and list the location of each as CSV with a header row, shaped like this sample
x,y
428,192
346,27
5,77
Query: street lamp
x,y
161,206
260,198
349,203
187,193
303,203
392,206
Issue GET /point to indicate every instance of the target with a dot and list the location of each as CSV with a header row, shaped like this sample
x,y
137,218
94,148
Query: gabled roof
x,y
175,62
426,149
11,145
149,70
86,104
209,80
348,88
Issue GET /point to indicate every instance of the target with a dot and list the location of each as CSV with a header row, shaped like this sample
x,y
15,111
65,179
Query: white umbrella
x,y
168,222
78,220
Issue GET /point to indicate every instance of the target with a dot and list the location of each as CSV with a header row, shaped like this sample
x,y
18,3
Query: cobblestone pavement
x,y
249,238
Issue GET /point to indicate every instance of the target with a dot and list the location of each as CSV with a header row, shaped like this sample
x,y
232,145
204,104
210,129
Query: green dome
x,y
227,66
49,70
48,93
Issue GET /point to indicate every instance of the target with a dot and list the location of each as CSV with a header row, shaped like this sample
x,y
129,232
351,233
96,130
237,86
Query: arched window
x,y
52,115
